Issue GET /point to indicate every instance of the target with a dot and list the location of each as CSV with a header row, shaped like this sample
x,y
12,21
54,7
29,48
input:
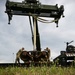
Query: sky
x,y
18,34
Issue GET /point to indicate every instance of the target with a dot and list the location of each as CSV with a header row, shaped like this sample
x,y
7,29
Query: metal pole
x,y
36,38
31,29
34,22
13,57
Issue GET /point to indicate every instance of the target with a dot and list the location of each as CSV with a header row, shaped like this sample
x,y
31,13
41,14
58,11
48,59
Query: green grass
x,y
37,71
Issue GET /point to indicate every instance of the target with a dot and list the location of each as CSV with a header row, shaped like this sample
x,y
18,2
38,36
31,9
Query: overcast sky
x,y
18,34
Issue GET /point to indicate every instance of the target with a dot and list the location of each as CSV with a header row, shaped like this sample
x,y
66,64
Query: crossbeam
x,y
22,8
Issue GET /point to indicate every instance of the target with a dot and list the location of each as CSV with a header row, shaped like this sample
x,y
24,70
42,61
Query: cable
x,y
47,21
43,20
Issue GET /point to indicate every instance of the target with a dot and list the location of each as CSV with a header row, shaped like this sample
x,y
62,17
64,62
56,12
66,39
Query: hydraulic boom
x,y
35,9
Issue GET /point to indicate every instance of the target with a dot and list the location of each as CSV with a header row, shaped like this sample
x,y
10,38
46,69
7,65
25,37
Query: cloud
x,y
18,34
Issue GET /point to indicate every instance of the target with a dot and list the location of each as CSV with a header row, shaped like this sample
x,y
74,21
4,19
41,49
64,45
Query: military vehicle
x,y
66,58
34,9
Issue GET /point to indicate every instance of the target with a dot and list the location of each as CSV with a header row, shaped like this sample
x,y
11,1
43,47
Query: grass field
x,y
37,71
